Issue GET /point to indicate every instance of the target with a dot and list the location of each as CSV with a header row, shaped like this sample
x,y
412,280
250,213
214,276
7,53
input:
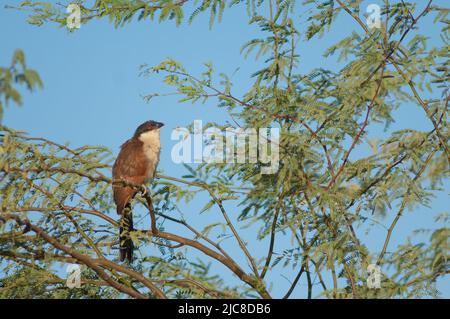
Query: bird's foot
x,y
143,190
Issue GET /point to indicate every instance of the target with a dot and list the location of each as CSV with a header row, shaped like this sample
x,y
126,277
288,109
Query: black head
x,y
147,126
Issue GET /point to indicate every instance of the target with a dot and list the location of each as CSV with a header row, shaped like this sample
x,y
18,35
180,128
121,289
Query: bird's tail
x,y
126,226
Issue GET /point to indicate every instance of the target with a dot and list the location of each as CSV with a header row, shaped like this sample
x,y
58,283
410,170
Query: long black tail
x,y
126,226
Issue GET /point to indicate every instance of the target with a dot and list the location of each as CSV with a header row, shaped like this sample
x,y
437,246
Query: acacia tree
x,y
55,200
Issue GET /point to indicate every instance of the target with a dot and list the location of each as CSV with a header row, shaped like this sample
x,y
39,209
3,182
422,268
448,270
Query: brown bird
x,y
136,164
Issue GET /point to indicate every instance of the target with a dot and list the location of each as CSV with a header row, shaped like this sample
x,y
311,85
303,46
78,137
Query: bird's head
x,y
149,129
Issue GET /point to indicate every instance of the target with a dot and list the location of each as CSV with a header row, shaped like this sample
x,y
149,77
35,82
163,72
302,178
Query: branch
x,y
91,263
361,131
402,208
230,264
272,242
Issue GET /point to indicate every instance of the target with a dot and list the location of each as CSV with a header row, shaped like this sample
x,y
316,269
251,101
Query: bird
x,y
136,163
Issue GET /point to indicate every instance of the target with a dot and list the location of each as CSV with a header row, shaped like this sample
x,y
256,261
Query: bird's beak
x,y
160,125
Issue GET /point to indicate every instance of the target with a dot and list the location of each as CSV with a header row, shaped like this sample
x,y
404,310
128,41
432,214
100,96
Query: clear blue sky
x,y
92,93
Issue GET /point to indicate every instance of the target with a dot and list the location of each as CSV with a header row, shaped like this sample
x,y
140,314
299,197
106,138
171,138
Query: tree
x,y
55,199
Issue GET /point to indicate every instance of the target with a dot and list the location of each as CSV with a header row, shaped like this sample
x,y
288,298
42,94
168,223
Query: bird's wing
x,y
130,165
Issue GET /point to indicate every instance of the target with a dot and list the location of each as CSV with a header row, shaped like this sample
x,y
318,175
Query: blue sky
x,y
93,93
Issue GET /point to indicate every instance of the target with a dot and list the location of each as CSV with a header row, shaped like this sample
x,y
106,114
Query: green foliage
x,y
33,282
120,12
16,73
322,194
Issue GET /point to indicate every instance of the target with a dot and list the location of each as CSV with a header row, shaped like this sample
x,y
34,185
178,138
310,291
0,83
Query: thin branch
x,y
80,257
271,244
361,131
294,283
402,208
235,233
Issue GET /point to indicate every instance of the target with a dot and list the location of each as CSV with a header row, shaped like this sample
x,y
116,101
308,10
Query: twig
x,y
402,208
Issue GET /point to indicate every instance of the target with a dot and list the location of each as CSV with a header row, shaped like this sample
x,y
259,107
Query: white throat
x,y
152,147
151,138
